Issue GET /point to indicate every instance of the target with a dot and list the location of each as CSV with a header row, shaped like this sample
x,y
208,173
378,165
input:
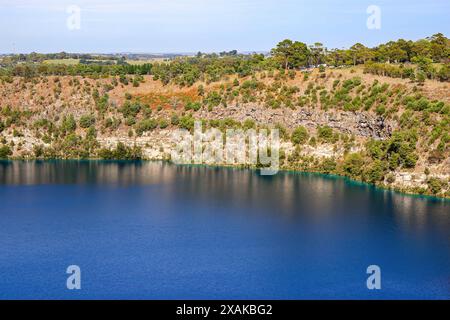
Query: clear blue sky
x,y
210,25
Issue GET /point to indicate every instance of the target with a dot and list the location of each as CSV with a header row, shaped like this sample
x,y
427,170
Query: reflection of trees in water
x,y
415,214
83,172
317,198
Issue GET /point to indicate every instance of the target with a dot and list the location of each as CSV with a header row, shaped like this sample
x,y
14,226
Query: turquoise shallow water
x,y
145,230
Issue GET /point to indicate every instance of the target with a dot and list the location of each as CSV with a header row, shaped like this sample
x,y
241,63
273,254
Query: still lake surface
x,y
149,230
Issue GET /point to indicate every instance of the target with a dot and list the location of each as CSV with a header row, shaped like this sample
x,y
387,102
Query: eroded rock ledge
x,y
362,124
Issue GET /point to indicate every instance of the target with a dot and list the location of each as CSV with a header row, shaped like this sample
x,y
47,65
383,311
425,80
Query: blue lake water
x,y
146,230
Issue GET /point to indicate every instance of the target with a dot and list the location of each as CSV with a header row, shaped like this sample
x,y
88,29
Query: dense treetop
x,y
288,54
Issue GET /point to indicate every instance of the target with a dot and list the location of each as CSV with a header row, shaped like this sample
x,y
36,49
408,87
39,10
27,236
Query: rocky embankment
x,y
362,124
158,144
33,115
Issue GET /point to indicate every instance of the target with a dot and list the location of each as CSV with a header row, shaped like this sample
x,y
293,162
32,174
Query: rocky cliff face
x,y
362,124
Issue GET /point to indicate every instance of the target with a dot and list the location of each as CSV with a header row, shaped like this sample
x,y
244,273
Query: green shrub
x,y
300,135
163,123
130,109
249,124
194,106
130,121
121,152
353,165
434,185
68,124
174,119
380,110
187,122
326,134
5,152
87,120
146,125
328,165
375,171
